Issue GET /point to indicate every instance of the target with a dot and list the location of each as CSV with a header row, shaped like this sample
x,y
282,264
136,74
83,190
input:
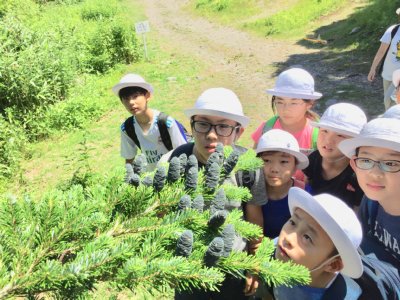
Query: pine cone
x,y
191,179
231,162
159,179
174,170
214,158
184,245
147,181
140,164
228,235
135,180
183,161
217,219
129,172
214,252
212,177
218,203
191,162
220,150
184,202
198,203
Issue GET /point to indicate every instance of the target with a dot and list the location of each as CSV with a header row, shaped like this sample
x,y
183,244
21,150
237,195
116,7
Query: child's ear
x,y
352,163
148,95
334,266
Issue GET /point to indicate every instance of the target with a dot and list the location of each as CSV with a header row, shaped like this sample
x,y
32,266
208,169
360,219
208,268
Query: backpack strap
x,y
314,137
269,124
163,128
392,34
129,129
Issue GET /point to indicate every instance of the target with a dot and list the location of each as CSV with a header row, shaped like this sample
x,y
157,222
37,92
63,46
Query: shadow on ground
x,y
348,46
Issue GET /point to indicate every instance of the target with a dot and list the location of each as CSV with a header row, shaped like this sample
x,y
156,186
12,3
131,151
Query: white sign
x,y
142,27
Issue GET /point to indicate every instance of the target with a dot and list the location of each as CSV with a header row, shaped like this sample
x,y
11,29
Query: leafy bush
x,y
12,141
35,71
109,44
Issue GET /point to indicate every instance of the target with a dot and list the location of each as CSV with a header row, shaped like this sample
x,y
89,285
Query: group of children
x,y
327,192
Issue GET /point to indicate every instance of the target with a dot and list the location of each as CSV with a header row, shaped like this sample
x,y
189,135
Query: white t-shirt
x,y
392,60
151,143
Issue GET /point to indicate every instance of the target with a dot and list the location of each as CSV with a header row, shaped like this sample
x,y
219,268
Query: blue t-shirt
x,y
381,232
275,213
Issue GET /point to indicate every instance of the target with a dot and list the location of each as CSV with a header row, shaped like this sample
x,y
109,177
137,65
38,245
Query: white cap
x,y
132,80
339,222
219,102
343,118
283,141
295,83
380,132
392,112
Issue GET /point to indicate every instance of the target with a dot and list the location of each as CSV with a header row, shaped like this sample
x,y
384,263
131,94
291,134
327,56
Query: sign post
x,y
142,28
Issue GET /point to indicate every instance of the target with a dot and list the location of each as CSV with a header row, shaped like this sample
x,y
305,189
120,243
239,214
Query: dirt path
x,y
248,63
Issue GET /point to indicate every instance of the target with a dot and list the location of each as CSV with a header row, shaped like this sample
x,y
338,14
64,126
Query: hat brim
x,y
352,265
296,95
116,88
242,120
301,159
348,147
333,128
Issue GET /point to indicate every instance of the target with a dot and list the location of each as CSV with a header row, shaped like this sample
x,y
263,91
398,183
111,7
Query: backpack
x,y
129,128
392,34
271,122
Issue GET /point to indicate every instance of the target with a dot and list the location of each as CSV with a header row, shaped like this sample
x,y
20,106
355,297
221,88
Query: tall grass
x,y
296,18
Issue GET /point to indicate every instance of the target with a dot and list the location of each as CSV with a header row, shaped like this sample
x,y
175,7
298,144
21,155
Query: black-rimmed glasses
x,y
220,129
391,166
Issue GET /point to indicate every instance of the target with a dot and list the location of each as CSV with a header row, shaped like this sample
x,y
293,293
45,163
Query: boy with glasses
x,y
375,158
217,117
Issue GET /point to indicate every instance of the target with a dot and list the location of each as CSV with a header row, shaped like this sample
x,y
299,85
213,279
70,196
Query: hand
x,y
371,75
252,282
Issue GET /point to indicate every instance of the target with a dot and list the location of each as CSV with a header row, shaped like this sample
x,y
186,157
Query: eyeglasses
x,y
220,129
391,166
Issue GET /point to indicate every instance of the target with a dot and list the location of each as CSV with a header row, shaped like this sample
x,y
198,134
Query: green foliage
x,y
105,230
47,48
297,16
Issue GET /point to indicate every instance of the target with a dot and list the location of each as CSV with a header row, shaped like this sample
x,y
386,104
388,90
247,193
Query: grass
x,y
288,19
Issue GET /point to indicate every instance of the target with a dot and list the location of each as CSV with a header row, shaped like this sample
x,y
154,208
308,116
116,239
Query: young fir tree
x,y
150,235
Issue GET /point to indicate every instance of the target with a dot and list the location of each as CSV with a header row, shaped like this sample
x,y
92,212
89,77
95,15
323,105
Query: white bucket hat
x,y
393,112
380,132
338,220
283,141
295,83
219,102
343,118
132,80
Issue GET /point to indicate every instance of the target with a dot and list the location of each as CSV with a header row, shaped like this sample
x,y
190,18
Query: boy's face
x,y
136,103
291,110
303,241
327,144
279,167
205,143
377,184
